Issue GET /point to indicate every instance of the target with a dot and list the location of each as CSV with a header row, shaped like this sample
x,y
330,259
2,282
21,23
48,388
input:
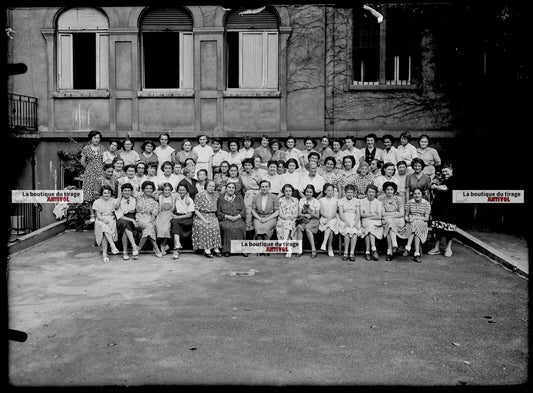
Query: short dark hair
x,y
313,153
93,133
290,137
105,187
417,160
390,184
117,158
325,187
371,186
275,140
349,187
236,141
201,135
107,166
217,140
446,165
201,170
270,162
310,139
146,142
164,134
245,161
349,157
389,137
287,185
125,169
352,138
147,183
385,166
166,184
406,135
233,166
401,162
264,181
281,162
189,159
166,163
293,160
126,185
330,158
424,136
185,141
140,163
374,136
115,141
128,139
326,137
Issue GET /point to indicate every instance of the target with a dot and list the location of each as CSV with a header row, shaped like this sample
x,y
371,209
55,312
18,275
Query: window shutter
x,y
251,63
176,19
271,60
64,75
103,61
187,64
266,19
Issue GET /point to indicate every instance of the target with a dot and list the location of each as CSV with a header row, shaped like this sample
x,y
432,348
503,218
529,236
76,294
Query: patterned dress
x,y
362,182
107,212
206,235
417,226
289,209
371,225
220,180
349,210
93,171
147,208
162,221
345,177
394,224
333,178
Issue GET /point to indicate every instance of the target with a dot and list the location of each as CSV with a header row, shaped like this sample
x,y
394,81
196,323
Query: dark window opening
x,y
233,59
84,60
161,60
366,48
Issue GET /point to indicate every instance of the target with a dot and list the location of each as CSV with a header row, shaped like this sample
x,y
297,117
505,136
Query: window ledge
x,y
81,94
165,93
382,87
252,93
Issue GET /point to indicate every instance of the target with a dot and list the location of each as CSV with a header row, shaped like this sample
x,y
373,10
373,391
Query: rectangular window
x,y
384,52
83,61
168,60
252,60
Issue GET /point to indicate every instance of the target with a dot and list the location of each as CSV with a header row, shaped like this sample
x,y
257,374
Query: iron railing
x,y
22,112
25,218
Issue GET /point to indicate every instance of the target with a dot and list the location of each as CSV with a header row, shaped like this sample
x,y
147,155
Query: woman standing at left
x,y
205,227
92,158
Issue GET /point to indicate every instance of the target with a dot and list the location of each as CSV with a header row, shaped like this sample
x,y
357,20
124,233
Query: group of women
x,y
212,196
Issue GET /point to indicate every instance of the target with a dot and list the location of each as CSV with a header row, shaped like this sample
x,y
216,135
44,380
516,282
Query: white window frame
x,y
182,82
102,81
264,78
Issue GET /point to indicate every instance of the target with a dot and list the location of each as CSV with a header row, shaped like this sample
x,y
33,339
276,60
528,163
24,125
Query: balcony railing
x,y
22,112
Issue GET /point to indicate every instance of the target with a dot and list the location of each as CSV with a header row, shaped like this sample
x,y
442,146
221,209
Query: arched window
x,y
82,49
167,48
252,49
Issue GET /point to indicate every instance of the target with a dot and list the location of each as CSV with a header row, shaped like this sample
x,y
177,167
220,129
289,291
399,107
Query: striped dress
x,y
417,226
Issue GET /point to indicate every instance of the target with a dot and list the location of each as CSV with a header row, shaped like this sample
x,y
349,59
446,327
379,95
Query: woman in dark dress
x,y
189,182
442,212
231,214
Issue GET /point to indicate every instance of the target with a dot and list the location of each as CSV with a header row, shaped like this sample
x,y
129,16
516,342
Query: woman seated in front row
x,y
231,213
265,210
147,210
181,223
125,208
308,218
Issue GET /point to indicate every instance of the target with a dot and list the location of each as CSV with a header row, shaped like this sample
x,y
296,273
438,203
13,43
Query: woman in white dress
x,y
205,155
350,221
371,213
127,153
234,155
329,218
393,218
164,152
387,175
292,151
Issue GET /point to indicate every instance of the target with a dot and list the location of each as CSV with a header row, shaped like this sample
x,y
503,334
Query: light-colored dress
x,y
417,226
163,154
431,157
289,209
108,157
206,235
235,158
371,225
162,221
328,206
204,153
345,177
349,210
107,211
147,208
250,183
380,180
293,153
130,157
394,224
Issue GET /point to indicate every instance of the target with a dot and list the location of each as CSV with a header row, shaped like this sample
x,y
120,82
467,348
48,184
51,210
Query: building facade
x,y
300,70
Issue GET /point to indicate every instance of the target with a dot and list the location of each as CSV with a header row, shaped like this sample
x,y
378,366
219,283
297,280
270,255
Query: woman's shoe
x,y
125,257
158,254
394,250
226,254
105,258
175,254
217,253
406,253
433,252
389,257
163,251
331,253
115,251
368,257
135,252
344,257
313,254
447,253
375,255
417,259
208,255
352,258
